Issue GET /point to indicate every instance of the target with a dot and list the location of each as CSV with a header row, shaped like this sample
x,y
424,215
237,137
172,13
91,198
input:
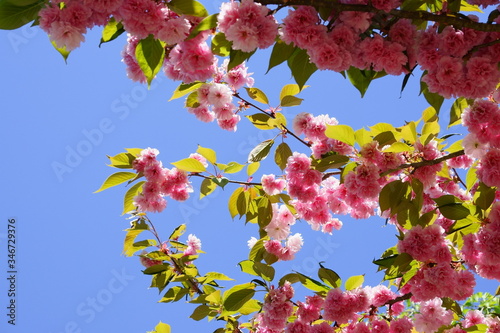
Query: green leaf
x,y
128,200
281,155
329,277
233,167
261,151
360,79
312,284
261,121
250,307
200,312
342,133
136,228
189,165
207,187
456,110
252,168
234,298
265,271
207,23
471,178
281,52
247,266
188,7
116,179
434,100
218,276
392,195
232,203
150,53
354,282
451,207
15,15
290,277
278,121
220,45
184,89
192,100
484,196
178,232
220,181
237,57
257,95
111,31
301,67
333,161
155,269
291,101
208,153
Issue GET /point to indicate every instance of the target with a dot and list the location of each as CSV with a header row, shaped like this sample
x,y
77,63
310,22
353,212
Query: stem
x,y
255,106
308,144
424,163
154,232
229,181
287,131
456,21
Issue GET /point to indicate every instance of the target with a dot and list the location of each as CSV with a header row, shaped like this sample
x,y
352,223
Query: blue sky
x,y
71,276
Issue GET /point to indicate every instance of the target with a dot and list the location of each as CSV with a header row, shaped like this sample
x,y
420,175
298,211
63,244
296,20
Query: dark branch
x,y
447,19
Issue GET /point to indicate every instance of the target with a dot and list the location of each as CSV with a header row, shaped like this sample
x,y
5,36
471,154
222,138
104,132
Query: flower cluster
x,y
482,119
482,250
247,25
441,53
276,309
214,100
440,280
426,244
160,182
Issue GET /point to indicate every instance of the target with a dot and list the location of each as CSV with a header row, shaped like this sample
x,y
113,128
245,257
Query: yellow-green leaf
x,y
289,100
207,187
257,95
189,165
208,153
252,168
116,179
290,90
184,89
162,328
261,151
232,203
128,200
354,282
342,133
281,155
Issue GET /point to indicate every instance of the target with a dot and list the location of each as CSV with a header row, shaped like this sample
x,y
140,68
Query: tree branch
x,y
424,162
229,181
447,19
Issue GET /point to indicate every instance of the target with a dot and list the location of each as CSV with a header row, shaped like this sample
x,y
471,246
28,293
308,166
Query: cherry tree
x,y
439,195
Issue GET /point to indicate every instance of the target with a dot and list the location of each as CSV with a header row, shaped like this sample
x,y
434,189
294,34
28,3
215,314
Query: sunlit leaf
x,y
189,165
116,179
261,151
354,282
